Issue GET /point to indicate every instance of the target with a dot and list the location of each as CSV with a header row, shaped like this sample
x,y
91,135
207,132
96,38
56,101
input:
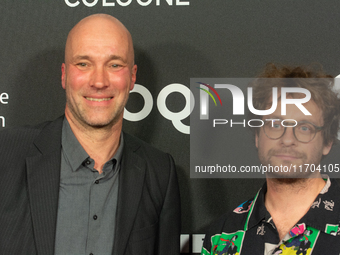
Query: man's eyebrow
x,y
110,57
116,57
81,57
281,118
274,117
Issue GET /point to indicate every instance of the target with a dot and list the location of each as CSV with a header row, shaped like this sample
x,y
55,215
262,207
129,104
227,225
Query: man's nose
x,y
288,139
99,78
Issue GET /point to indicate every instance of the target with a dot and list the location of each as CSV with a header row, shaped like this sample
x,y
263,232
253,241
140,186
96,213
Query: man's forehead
x,y
101,31
288,96
293,111
98,43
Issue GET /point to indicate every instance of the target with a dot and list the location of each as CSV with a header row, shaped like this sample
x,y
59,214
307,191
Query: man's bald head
x,y
98,72
95,26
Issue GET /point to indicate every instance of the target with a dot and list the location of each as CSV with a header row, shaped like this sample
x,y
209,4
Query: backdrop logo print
x,y
175,117
111,3
4,97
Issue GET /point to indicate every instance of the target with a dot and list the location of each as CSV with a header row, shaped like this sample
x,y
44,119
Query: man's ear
x,y
133,76
327,148
63,75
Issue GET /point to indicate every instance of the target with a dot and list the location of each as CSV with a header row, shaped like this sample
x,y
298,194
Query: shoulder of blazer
x,y
20,140
139,146
159,166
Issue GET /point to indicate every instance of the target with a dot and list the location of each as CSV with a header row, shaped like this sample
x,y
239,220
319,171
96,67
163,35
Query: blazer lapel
x,y
43,177
131,180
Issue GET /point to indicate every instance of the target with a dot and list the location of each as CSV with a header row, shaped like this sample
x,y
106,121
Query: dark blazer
x,y
148,214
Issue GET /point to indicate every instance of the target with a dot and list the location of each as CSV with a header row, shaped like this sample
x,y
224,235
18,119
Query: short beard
x,y
289,177
289,181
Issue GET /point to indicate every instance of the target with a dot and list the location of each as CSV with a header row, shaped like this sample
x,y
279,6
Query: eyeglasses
x,y
304,131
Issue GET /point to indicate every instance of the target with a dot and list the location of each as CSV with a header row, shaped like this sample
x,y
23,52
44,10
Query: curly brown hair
x,y
318,83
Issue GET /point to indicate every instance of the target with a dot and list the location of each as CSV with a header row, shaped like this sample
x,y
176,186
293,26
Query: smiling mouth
x,y
98,99
286,156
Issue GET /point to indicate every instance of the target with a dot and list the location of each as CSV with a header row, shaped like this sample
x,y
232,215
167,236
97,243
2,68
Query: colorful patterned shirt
x,y
250,230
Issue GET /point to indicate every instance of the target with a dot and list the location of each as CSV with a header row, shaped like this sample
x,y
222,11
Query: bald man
x,y
79,185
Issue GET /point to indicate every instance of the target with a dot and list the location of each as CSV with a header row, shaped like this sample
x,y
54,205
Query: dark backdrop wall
x,y
175,40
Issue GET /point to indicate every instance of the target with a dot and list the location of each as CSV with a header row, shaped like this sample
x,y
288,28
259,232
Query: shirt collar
x,y
258,211
324,212
75,153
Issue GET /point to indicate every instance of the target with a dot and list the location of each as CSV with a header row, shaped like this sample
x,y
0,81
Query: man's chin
x,y
287,180
289,177
99,123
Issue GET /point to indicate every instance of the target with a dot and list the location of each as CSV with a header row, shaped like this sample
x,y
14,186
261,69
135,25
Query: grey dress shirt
x,y
87,200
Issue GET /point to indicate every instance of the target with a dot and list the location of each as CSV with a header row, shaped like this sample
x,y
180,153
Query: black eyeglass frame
x,y
318,128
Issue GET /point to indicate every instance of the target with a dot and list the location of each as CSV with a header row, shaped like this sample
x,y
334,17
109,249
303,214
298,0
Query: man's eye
x,y
305,128
116,65
81,64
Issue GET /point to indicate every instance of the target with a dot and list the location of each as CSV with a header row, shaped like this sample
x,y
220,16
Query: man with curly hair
x,y
295,212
